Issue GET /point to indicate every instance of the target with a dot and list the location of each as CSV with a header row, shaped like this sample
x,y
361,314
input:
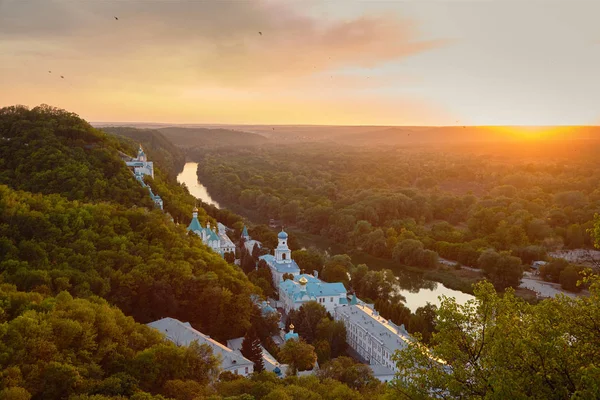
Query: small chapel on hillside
x,y
140,165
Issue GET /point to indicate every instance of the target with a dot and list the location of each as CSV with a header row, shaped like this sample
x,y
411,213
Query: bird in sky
x,y
62,77
116,18
260,33
49,72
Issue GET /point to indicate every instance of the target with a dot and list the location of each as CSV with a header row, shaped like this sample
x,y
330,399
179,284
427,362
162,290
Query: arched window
x,y
283,256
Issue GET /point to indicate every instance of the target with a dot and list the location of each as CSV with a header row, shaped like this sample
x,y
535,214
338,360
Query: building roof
x,y
225,241
138,163
291,335
381,370
271,364
290,267
266,309
312,289
235,344
182,334
249,244
211,234
245,231
221,228
282,235
389,334
195,225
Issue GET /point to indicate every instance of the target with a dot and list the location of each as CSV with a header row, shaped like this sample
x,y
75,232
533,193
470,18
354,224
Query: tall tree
x,y
500,347
299,355
252,351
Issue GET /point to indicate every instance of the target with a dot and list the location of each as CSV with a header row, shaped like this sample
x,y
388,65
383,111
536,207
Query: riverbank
x,y
461,280
411,280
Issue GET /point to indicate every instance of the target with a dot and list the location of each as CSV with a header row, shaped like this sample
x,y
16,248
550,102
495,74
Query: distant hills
x,y
251,135
211,137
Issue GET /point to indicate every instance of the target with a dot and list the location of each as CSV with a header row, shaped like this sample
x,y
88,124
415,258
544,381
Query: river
x,y
189,176
417,291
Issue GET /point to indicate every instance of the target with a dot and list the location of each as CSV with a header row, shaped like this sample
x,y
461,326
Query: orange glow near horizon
x,y
531,133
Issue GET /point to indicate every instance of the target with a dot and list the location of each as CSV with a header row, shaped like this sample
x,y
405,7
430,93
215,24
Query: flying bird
x,y
260,33
49,72
62,77
116,18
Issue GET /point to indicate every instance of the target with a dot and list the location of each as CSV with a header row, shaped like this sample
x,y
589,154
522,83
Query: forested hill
x,y
46,150
86,258
84,224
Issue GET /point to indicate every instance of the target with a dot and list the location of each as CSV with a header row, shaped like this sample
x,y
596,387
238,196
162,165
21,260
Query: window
x,y
246,370
283,256
331,299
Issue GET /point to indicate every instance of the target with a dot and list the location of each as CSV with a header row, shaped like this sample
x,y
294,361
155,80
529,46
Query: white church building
x,y
218,242
304,288
281,263
140,164
182,334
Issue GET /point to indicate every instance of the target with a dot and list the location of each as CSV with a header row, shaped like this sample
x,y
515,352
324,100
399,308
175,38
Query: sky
x,y
331,62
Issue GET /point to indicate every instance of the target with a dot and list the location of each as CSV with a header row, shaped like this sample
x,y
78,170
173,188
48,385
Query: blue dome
x,y
282,235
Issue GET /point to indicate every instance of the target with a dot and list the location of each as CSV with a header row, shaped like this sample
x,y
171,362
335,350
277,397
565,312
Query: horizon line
x,y
125,123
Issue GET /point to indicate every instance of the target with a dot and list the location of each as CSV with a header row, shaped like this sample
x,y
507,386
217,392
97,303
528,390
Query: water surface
x,y
197,189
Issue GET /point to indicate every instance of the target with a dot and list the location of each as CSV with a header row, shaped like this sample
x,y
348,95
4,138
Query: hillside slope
x,y
91,228
78,238
46,150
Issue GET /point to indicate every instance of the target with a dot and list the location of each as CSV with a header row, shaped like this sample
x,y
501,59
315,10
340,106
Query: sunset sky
x,y
347,62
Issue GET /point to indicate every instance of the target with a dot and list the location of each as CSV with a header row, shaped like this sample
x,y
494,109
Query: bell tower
x,y
282,252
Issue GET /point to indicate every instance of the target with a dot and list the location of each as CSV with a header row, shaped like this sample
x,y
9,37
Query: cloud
x,y
199,42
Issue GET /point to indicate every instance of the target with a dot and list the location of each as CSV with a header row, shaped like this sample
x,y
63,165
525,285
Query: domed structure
x,y
282,235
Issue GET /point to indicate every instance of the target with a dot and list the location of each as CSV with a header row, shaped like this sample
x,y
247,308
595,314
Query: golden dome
x,y
195,209
303,281
291,326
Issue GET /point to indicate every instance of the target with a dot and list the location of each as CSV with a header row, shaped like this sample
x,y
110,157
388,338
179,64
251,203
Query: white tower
x,y
282,252
141,155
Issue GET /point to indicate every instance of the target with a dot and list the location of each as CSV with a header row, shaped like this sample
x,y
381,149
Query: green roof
x,y
195,225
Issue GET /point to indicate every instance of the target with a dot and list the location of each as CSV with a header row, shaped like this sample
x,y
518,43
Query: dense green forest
x,y
500,347
84,254
86,259
413,205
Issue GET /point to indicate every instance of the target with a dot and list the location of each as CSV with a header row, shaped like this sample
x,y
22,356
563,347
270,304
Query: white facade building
x,y
304,288
218,242
226,245
140,164
249,243
374,338
182,334
281,263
